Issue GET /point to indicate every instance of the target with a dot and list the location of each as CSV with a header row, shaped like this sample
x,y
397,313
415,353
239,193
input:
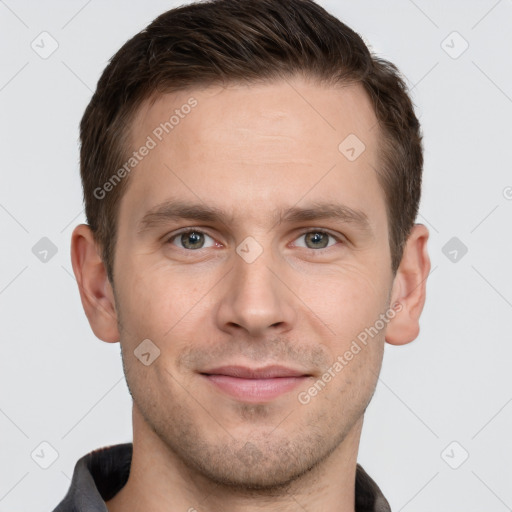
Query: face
x,y
226,263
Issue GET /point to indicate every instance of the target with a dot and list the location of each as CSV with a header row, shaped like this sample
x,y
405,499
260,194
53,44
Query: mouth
x,y
255,384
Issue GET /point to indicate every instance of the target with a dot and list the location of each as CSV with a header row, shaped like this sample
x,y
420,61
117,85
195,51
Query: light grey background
x,y
62,386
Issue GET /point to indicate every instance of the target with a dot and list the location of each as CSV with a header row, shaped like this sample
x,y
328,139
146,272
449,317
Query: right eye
x,y
190,239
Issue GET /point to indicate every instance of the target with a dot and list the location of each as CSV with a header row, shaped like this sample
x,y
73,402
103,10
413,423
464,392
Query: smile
x,y
254,385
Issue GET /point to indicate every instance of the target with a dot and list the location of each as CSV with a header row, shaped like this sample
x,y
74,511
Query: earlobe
x,y
409,288
95,289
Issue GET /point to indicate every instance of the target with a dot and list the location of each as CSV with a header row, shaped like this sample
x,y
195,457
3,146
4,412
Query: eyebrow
x,y
179,209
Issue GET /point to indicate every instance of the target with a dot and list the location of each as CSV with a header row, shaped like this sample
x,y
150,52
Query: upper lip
x,y
267,372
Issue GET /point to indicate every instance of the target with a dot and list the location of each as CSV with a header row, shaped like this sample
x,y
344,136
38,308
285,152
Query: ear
x,y
95,289
409,288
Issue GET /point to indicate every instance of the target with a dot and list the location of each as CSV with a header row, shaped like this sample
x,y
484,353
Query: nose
x,y
256,298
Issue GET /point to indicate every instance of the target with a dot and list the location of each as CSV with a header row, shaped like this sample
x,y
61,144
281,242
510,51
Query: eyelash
x,y
170,239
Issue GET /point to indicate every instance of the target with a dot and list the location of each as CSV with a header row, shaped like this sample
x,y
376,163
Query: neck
x,y
160,481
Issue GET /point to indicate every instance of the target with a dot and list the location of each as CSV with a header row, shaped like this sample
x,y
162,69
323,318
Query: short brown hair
x,y
229,41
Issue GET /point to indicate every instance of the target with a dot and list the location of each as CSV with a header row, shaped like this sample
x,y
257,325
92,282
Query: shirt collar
x,y
101,474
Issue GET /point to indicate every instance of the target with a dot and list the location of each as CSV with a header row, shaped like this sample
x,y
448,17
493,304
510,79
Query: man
x,y
251,178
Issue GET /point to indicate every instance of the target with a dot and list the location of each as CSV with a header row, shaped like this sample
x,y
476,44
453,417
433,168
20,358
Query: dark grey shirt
x,y
100,475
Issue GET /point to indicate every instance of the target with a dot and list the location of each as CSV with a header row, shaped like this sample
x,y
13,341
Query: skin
x,y
249,150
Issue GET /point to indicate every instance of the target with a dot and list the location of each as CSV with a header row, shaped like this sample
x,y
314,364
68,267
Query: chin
x,y
260,465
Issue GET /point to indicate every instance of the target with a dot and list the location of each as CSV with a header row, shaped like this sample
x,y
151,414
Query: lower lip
x,y
255,390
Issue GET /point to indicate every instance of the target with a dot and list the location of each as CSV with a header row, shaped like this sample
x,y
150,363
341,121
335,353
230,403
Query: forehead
x,y
256,146
286,108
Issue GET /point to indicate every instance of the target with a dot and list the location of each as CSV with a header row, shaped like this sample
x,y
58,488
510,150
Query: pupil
x,y
317,237
191,238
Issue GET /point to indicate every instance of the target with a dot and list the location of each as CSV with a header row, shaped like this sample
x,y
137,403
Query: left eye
x,y
317,239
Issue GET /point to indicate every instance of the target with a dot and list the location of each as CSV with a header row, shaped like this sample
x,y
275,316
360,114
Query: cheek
x,y
163,302
159,302
347,300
